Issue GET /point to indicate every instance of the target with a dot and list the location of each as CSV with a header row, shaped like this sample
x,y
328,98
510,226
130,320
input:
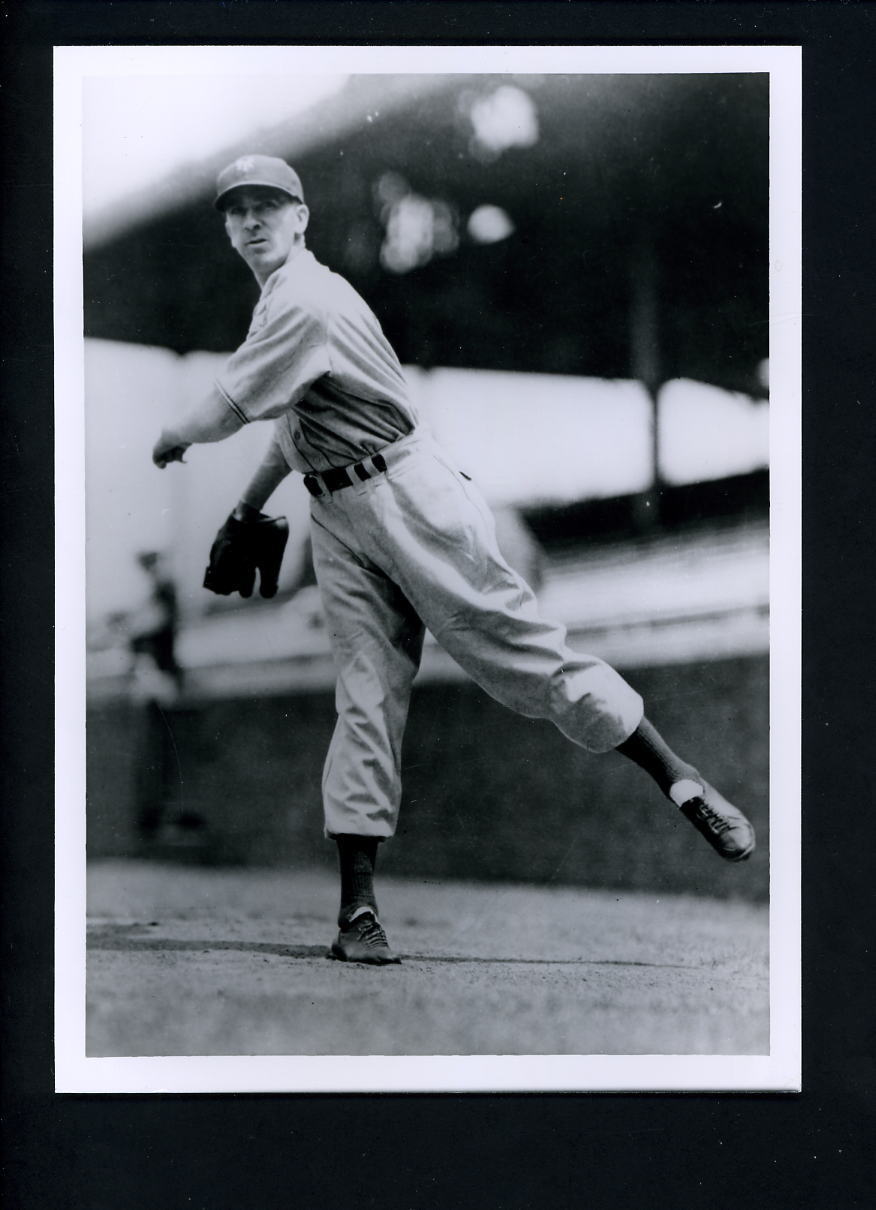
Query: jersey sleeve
x,y
276,364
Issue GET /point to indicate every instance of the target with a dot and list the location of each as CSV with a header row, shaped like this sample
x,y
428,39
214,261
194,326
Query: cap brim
x,y
226,193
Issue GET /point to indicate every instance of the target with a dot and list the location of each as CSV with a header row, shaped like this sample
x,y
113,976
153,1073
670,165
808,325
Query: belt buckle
x,y
312,484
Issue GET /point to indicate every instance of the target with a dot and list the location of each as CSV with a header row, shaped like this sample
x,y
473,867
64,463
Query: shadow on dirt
x,y
130,938
544,961
126,944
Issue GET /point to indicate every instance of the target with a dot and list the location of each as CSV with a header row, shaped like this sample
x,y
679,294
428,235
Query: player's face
x,y
264,225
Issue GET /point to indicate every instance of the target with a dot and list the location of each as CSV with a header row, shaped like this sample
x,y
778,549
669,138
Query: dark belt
x,y
338,477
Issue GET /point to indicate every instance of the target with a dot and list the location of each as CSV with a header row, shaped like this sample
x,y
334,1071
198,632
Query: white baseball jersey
x,y
316,359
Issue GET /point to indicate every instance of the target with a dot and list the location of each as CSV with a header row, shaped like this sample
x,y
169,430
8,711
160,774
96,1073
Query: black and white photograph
x,y
427,464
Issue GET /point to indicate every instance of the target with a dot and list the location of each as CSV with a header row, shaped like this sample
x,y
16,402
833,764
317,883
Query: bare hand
x,y
168,448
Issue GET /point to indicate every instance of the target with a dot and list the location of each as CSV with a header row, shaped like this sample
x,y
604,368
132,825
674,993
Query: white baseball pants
x,y
412,548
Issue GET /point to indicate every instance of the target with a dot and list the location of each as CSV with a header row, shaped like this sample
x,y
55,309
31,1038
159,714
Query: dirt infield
x,y
200,961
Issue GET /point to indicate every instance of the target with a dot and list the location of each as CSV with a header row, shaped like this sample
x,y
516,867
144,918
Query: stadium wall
x,y
488,795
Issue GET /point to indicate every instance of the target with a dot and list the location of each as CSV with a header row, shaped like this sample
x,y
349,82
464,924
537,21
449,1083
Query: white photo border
x,y
75,1072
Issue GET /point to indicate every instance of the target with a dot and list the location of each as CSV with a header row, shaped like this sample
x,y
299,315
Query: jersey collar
x,y
297,260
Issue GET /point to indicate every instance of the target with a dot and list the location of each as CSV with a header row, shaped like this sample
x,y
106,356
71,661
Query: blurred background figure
x,y
156,681
152,627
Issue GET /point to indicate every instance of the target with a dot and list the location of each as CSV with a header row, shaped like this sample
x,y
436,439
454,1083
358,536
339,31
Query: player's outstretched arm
x,y
211,420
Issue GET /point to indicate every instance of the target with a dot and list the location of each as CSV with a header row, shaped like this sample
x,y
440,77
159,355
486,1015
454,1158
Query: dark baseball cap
x,y
265,170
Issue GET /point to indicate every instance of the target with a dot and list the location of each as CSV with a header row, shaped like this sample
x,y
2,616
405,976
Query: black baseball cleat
x,y
363,940
723,825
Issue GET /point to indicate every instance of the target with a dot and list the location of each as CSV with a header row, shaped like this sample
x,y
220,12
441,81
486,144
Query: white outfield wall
x,y
525,438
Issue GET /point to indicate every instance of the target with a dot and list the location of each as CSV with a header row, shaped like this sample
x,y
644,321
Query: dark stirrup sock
x,y
649,750
356,858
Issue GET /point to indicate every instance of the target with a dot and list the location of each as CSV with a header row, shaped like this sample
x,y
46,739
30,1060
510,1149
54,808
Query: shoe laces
x,y
369,930
718,823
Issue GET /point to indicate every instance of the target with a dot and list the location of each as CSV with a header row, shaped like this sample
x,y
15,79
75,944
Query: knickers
x,y
414,548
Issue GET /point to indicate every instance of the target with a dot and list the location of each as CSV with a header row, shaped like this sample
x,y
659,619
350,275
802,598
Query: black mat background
x,y
810,1150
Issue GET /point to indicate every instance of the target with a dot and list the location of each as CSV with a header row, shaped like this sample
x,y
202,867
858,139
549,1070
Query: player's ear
x,y
303,216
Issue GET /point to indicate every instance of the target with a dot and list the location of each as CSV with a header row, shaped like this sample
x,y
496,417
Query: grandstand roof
x,y
612,226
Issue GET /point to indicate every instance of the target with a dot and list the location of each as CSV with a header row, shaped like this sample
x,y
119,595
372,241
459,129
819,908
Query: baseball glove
x,y
242,548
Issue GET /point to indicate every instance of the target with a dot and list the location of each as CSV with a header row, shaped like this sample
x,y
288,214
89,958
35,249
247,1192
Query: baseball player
x,y
402,540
